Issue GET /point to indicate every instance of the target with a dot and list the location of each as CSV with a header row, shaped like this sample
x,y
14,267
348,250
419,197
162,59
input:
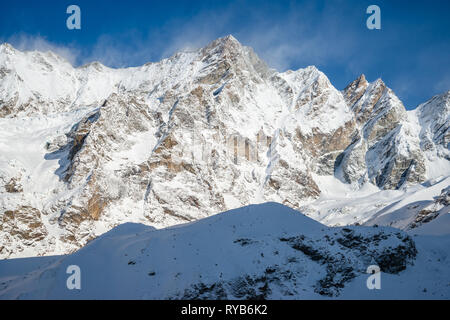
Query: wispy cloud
x,y
302,37
443,84
25,42
299,39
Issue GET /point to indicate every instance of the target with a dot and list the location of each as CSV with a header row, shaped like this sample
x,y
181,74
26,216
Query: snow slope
x,y
340,205
264,251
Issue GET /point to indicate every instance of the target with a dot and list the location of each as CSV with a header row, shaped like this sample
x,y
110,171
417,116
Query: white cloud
x,y
296,40
443,84
24,42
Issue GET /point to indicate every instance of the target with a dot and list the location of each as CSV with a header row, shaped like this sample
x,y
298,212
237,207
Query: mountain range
x,y
83,150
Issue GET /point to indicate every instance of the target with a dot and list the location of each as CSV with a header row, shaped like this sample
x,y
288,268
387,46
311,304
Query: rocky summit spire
x,y
355,89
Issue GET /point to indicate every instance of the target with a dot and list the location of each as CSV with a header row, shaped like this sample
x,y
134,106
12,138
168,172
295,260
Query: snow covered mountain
x,y
265,251
85,149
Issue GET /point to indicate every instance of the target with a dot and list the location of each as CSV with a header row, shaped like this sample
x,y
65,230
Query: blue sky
x,y
411,52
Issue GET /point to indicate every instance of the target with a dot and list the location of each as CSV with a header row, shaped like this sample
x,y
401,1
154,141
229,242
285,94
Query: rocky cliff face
x,y
433,117
386,150
84,149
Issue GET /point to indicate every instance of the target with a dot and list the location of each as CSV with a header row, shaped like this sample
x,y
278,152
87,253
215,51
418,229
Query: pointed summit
x,y
228,40
360,80
362,77
354,91
224,45
227,53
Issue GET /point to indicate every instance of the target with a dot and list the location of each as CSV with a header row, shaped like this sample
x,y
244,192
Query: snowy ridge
x,y
265,251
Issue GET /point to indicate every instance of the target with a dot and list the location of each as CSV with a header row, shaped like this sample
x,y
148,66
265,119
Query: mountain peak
x,y
95,64
379,82
354,91
225,44
6,48
228,40
362,77
359,82
231,52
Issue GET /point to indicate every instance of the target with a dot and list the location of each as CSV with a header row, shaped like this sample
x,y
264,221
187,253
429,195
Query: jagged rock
x,y
434,119
440,205
22,225
13,186
387,149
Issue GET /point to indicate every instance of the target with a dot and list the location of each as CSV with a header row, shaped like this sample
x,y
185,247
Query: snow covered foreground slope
x,y
85,149
265,251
